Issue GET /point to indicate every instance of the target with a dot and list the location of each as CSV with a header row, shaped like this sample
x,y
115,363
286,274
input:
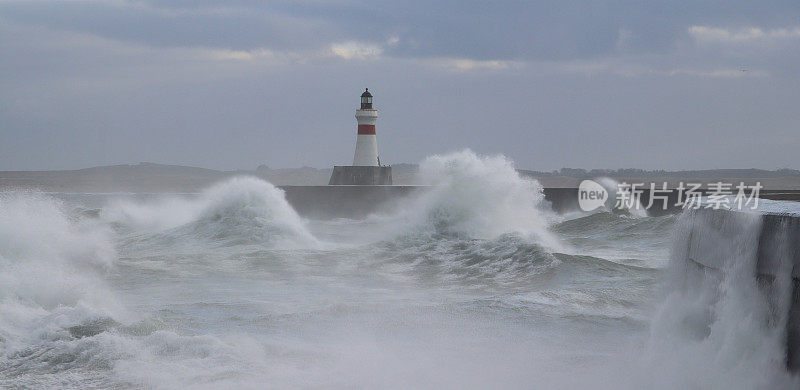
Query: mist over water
x,y
474,283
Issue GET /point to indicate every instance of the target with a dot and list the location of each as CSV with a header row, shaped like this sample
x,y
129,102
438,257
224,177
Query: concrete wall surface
x,y
361,175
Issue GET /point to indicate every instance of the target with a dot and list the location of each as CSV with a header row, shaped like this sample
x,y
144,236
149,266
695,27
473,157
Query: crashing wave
x,y
52,293
477,197
238,211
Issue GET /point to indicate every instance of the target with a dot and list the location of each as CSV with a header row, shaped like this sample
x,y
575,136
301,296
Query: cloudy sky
x,y
234,84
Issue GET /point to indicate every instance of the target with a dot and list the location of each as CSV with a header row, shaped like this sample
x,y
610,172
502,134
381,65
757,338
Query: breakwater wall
x,y
358,201
344,201
361,175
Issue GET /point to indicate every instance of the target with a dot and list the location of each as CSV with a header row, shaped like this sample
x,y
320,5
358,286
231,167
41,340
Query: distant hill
x,y
780,179
151,177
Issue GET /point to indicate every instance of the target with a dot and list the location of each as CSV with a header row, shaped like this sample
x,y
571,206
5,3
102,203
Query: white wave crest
x,y
243,210
51,267
480,197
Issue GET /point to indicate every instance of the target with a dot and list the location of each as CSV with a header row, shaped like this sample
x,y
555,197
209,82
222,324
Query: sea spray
x,y
241,210
479,224
716,326
52,291
622,200
47,256
478,197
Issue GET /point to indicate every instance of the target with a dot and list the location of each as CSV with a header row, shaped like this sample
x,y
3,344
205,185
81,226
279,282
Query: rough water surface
x,y
472,284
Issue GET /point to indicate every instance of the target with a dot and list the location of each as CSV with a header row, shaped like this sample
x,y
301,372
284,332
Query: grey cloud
x,y
504,30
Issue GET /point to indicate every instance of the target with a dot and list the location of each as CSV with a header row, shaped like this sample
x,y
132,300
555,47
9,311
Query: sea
x,y
474,283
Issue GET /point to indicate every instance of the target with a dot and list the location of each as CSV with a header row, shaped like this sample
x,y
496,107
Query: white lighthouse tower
x,y
366,141
366,168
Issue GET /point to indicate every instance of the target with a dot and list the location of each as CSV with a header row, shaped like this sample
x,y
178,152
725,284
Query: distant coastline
x,y
152,177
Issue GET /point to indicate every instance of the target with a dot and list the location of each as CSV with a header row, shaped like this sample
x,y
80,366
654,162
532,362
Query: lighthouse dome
x,y
366,100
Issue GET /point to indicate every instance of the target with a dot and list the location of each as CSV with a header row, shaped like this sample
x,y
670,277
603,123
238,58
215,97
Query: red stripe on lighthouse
x,y
366,129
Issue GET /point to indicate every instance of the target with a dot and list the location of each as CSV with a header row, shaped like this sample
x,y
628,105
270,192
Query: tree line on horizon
x,y
636,172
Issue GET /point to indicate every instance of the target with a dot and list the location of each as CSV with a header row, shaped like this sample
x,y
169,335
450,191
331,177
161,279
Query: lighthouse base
x,y
361,175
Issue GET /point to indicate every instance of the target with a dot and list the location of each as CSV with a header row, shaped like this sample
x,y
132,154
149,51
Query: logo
x,y
591,195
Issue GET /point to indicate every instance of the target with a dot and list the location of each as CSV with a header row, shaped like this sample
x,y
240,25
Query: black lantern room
x,y
366,100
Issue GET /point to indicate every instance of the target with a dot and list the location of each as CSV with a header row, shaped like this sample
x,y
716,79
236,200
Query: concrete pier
x,y
361,175
344,201
566,199
358,201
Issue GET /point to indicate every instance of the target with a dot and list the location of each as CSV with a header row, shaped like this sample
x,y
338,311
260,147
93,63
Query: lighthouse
x,y
366,140
366,168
